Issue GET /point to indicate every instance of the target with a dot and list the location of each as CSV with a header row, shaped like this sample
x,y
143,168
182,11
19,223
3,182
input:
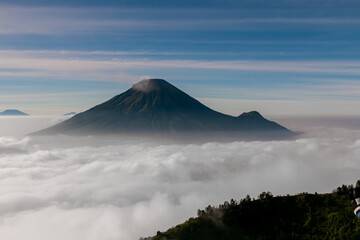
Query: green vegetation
x,y
303,216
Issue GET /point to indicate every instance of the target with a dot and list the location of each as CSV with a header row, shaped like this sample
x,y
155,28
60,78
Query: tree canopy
x,y
302,216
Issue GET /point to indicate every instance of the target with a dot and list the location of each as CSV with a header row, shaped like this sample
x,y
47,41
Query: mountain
x,y
156,106
303,216
70,114
13,112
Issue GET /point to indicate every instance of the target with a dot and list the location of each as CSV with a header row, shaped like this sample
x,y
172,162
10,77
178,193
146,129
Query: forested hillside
x,y
303,216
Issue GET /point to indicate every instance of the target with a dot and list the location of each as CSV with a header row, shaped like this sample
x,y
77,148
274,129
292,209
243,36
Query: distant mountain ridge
x,y
13,112
154,105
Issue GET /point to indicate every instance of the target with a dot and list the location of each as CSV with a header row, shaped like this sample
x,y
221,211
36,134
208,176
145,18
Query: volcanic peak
x,y
156,106
252,114
149,85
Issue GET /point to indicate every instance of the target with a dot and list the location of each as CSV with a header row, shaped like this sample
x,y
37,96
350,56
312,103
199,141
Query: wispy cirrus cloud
x,y
291,107
62,20
78,65
103,66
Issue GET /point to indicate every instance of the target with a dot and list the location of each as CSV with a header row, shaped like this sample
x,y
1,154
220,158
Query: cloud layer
x,y
84,64
92,188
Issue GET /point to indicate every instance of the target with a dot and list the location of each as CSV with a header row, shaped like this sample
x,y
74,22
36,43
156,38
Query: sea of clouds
x,y
71,188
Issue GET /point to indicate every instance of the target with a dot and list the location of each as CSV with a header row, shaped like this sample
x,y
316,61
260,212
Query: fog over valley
x,y
179,120
98,187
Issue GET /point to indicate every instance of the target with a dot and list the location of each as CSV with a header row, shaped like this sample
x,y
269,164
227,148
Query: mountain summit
x,y
154,105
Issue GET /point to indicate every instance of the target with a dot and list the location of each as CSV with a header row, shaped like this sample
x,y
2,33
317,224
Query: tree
x,y
265,195
200,213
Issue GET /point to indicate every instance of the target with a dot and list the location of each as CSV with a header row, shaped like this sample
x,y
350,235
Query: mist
x,y
23,125
106,188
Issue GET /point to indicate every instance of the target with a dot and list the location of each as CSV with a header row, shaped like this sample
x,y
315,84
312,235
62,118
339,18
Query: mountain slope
x,y
13,112
303,216
154,105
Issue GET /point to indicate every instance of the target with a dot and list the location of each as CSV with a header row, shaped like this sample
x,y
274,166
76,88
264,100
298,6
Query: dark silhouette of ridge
x,y
302,216
252,114
154,105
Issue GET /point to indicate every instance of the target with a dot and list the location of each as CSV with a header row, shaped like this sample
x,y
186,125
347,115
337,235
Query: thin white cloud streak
x,y
55,21
57,103
280,108
324,89
74,66
79,54
345,89
258,42
115,68
95,188
16,126
46,96
236,102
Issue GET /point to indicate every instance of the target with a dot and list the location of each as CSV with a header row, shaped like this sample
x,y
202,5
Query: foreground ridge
x,y
302,216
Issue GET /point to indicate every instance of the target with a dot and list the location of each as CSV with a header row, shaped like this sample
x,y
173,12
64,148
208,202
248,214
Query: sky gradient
x,y
283,58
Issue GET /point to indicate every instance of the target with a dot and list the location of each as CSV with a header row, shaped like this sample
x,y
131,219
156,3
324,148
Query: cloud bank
x,y
92,188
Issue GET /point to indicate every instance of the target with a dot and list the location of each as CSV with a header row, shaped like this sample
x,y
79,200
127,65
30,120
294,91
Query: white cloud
x,y
82,66
19,126
123,188
285,108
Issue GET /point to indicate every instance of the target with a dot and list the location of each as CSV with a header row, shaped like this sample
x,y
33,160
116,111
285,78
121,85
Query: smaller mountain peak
x,y
13,112
148,85
254,114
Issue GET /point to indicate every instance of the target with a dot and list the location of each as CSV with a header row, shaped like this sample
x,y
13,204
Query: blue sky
x,y
296,58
